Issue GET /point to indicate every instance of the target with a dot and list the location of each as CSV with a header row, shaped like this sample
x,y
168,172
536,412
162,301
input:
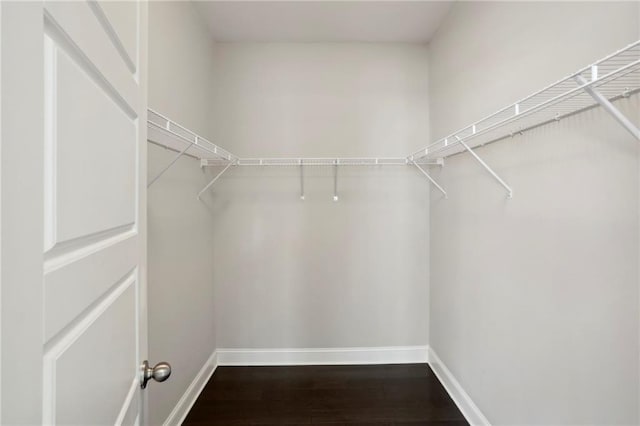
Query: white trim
x,y
0,213
465,404
182,408
128,400
324,356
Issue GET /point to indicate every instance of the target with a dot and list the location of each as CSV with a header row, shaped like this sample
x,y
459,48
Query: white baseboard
x,y
182,408
320,356
465,404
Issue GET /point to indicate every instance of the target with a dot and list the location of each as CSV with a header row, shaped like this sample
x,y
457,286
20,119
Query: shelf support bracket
x,y
487,168
301,181
163,171
335,181
609,107
430,178
214,180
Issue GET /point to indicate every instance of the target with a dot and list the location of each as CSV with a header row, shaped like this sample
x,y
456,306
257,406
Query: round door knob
x,y
160,372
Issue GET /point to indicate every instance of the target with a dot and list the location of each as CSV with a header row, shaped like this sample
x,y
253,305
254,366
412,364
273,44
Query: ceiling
x,y
323,21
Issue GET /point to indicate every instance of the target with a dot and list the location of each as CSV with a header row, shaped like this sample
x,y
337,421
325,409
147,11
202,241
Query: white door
x,y
73,127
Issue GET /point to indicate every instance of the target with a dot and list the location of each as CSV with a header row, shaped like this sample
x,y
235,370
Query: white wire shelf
x,y
165,132
367,161
614,77
609,79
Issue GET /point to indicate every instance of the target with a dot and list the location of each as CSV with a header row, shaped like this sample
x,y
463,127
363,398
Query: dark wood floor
x,y
378,395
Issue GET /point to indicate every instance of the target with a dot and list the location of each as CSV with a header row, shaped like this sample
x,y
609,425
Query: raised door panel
x,y
93,390
75,284
92,151
79,26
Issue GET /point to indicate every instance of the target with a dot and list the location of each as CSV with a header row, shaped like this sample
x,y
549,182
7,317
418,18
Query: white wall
x,y
181,307
315,273
534,300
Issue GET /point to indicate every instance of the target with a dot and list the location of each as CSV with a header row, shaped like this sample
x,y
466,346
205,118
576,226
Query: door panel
x,y
73,189
88,372
106,267
95,139
76,26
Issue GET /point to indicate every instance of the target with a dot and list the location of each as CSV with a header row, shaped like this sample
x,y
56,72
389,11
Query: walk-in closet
x,y
319,212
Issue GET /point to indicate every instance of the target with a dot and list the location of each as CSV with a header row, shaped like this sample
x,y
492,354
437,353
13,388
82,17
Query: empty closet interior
x,y
394,182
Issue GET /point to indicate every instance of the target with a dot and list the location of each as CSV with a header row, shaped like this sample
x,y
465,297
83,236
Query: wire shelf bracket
x,y
487,168
214,180
301,181
440,188
168,166
608,106
335,181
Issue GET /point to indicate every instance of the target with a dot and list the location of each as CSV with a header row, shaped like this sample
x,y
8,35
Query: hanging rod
x,y
614,76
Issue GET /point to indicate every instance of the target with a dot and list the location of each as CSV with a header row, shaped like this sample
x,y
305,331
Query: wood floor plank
x,y
376,395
